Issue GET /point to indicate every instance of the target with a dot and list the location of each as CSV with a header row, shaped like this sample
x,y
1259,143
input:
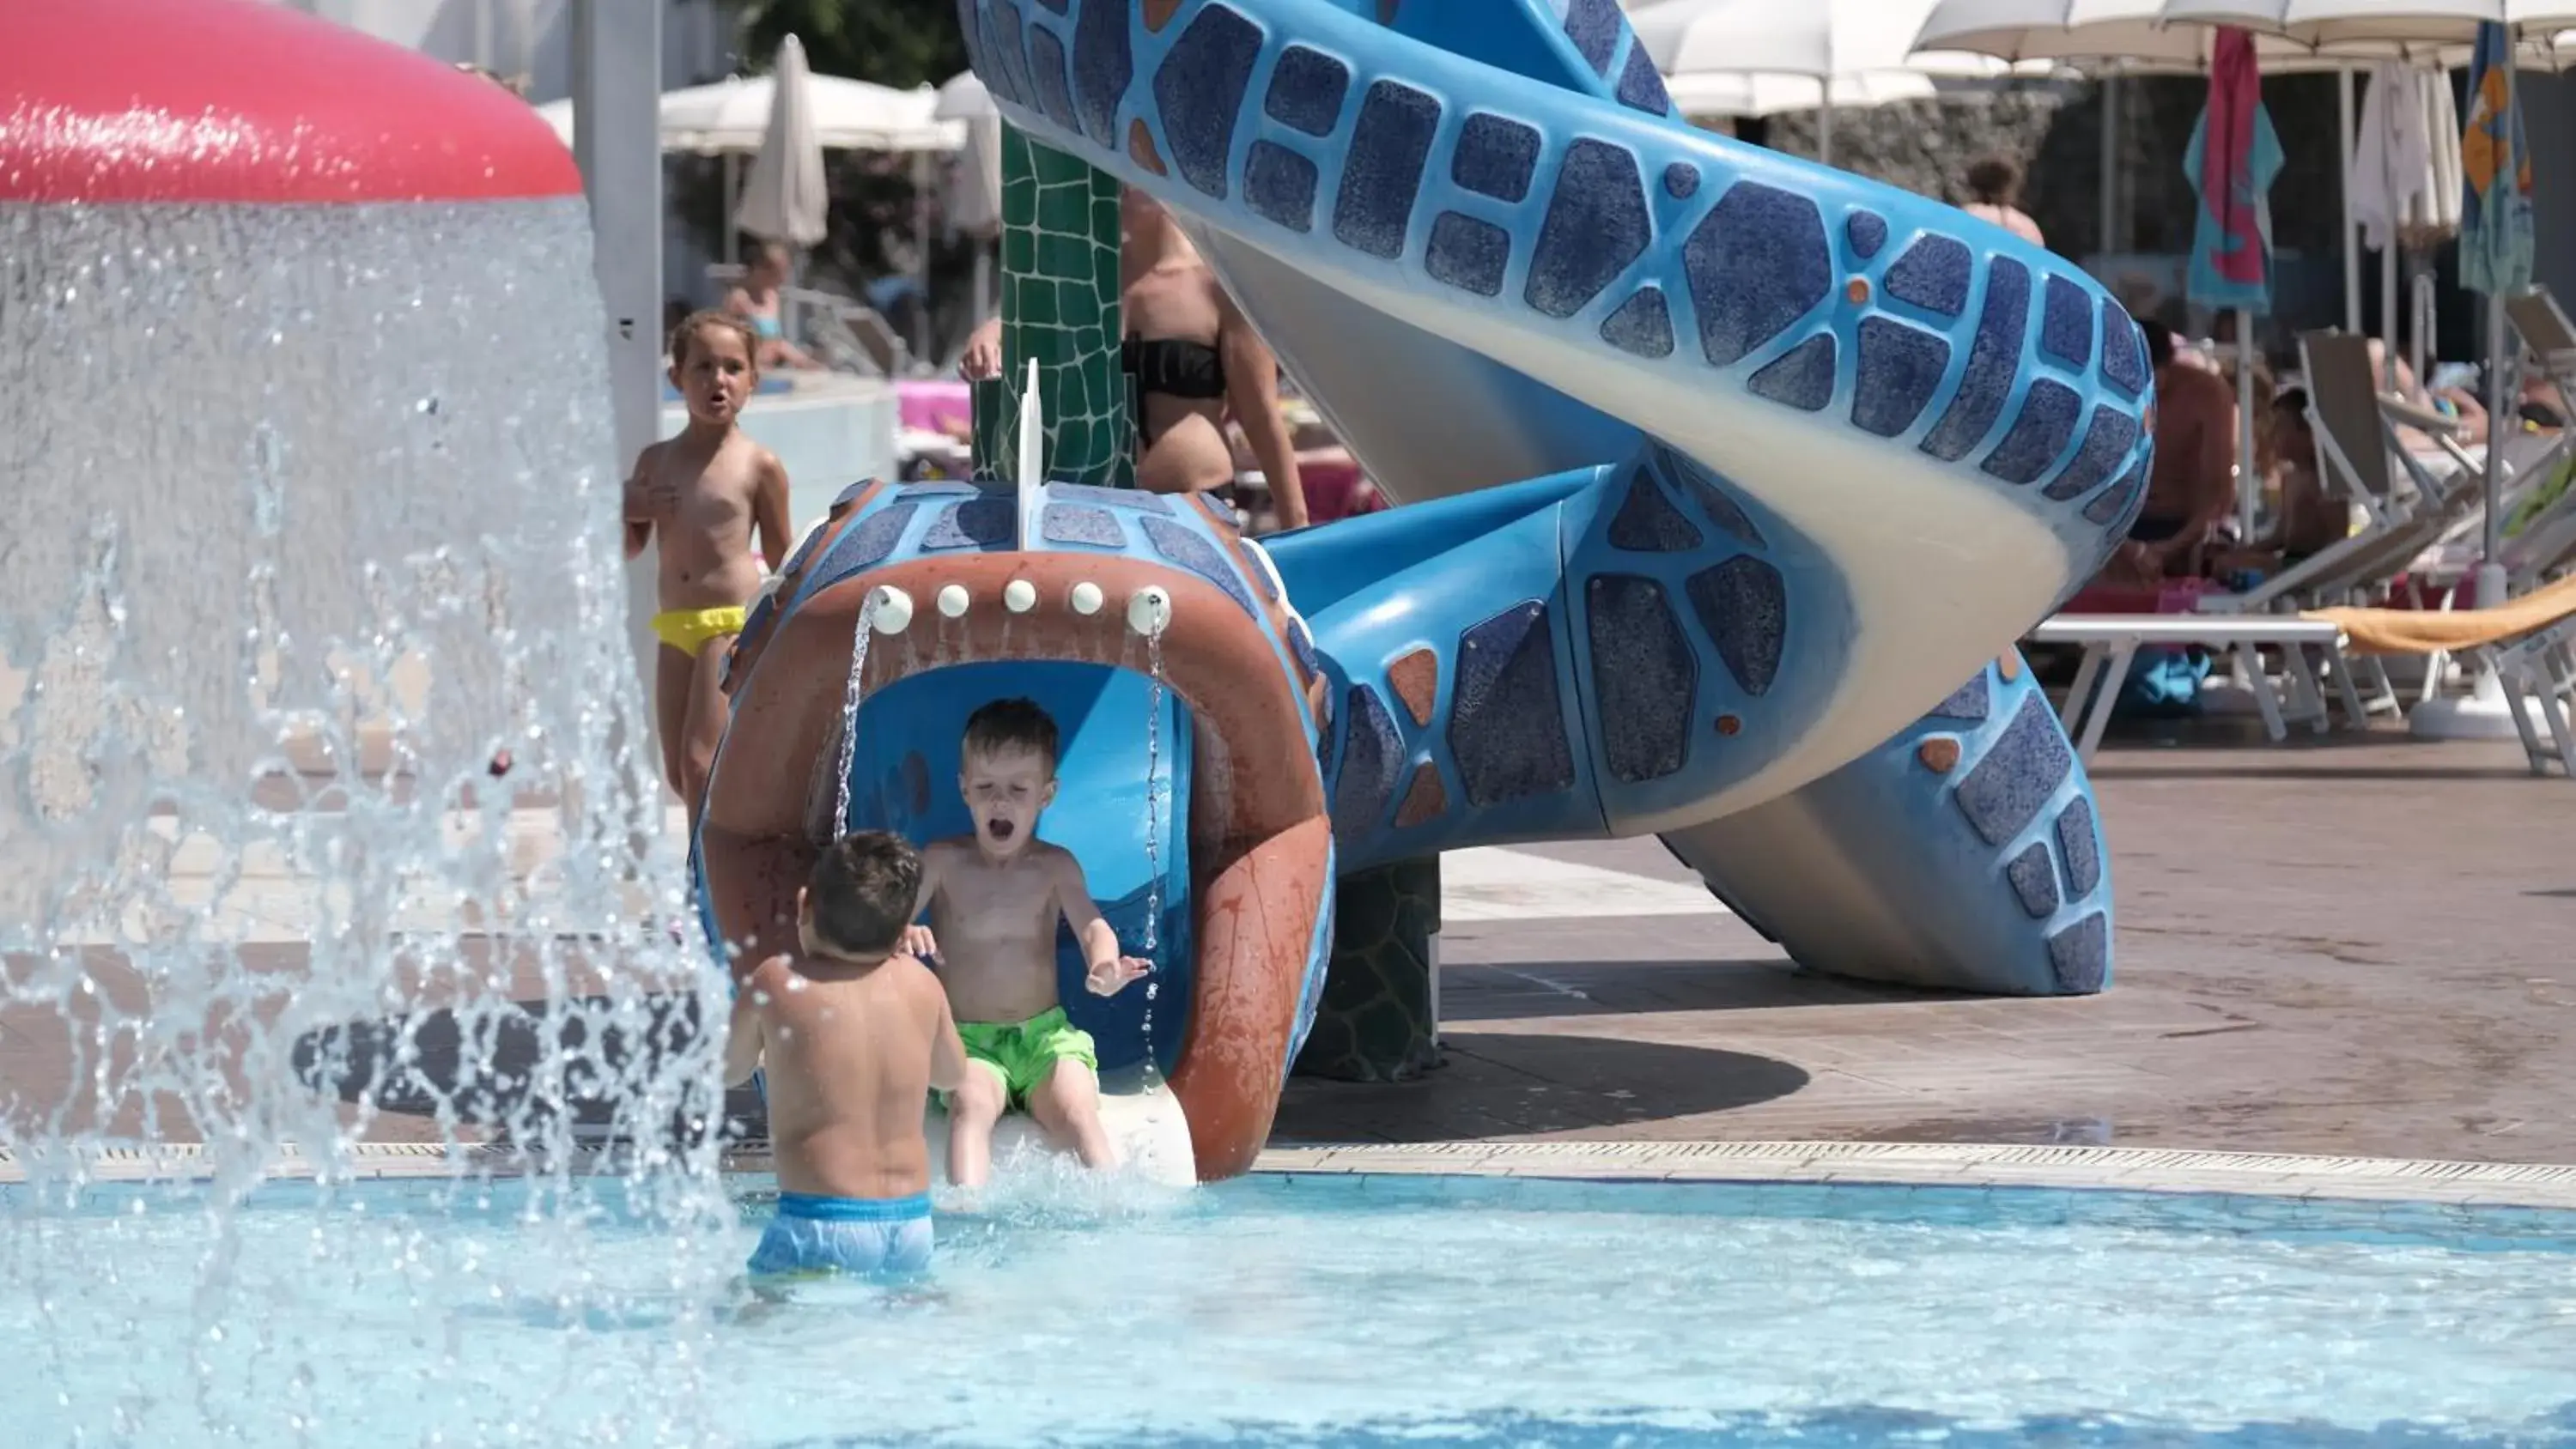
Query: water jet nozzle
x,y
893,609
1019,596
952,601
1149,609
1086,598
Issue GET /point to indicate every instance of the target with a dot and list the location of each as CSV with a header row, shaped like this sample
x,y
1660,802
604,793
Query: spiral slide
x,y
1475,235
1729,481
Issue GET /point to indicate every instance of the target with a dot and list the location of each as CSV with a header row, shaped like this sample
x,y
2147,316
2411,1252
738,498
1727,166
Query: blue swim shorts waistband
x,y
817,1207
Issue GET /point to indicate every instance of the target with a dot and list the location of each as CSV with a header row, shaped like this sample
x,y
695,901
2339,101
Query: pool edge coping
x,y
2440,1182
1892,1164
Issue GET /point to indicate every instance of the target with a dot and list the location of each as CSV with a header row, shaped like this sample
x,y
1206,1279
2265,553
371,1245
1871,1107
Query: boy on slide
x,y
855,1035
994,900
704,492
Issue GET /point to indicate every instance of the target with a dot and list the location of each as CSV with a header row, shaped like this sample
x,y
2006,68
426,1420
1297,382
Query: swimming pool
x,y
1330,1311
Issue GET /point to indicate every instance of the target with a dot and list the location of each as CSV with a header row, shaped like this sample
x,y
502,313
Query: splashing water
x,y
1153,841
865,626
320,785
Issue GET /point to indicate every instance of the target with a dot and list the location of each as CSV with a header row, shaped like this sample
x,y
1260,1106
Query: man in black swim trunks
x,y
2193,486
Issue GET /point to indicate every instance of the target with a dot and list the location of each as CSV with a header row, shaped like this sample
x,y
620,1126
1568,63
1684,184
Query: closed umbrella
x,y
2405,184
2231,160
975,197
975,181
2495,246
784,198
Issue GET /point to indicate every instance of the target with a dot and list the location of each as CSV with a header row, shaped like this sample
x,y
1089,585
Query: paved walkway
x,y
2342,948
2345,948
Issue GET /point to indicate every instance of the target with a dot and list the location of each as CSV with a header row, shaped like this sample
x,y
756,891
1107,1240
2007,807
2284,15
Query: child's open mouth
x,y
999,829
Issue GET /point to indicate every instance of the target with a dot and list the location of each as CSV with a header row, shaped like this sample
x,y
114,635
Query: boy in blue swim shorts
x,y
994,900
853,1035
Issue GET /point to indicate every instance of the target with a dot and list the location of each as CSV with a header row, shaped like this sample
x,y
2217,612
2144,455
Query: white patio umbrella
x,y
2105,35
784,198
1704,93
732,117
1717,55
2433,31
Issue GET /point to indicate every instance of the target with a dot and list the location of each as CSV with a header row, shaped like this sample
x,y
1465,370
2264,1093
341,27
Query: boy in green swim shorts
x,y
994,899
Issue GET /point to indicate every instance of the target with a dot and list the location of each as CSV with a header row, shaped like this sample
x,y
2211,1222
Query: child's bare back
x,y
853,1035
851,1054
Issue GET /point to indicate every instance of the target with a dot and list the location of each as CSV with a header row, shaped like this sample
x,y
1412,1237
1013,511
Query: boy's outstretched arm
x,y
1108,971
917,940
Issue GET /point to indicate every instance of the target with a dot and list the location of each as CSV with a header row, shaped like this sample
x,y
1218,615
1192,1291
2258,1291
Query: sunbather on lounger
x,y
2309,519
2194,483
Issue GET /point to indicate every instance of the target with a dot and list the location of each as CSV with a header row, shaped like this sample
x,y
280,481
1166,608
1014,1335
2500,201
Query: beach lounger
x,y
2352,420
2548,337
2529,642
2538,673
2111,642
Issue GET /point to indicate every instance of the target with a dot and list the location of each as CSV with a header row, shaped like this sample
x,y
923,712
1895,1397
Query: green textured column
x,y
1059,306
1375,1021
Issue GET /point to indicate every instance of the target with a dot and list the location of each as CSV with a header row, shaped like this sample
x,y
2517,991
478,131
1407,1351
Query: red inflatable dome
x,y
243,101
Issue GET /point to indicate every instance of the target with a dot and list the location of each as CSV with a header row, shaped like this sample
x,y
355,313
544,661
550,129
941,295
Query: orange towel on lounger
x,y
2422,631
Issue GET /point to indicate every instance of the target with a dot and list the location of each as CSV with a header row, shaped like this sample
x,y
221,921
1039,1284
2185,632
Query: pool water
x,y
1307,1311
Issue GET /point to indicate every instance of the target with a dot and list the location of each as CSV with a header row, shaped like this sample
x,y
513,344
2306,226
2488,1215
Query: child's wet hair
x,y
687,333
861,892
1010,724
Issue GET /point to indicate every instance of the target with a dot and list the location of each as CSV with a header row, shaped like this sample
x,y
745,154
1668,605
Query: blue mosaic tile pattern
x,y
1506,726
1645,676
1372,765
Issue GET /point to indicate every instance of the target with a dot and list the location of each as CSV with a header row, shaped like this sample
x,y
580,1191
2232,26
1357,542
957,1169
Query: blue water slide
x,y
1193,718
1843,445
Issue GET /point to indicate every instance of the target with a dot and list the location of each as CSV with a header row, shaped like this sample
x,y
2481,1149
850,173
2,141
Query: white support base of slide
x,y
1152,1136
